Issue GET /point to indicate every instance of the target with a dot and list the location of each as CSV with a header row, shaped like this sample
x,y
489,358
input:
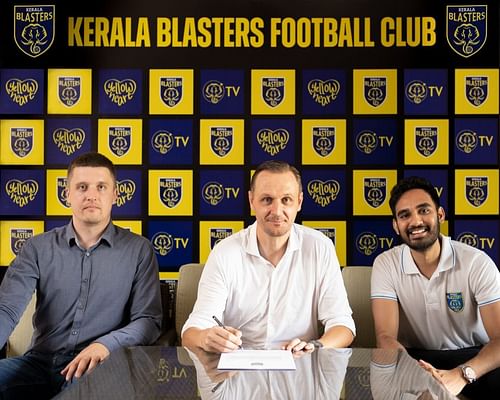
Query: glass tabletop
x,y
155,372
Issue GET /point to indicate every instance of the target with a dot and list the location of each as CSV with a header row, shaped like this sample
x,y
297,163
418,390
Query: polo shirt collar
x,y
446,259
252,247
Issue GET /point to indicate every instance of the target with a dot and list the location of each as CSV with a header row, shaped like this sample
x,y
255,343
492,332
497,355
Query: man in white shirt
x,y
437,297
272,282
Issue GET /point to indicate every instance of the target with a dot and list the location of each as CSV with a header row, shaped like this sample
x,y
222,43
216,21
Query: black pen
x,y
222,326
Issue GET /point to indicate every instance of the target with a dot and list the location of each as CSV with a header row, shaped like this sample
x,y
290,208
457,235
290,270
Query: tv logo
x,y
367,243
472,239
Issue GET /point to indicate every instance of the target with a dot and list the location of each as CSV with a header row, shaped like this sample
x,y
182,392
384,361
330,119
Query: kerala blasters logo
x,y
467,141
367,243
323,140
273,141
455,301
125,190
21,192
21,91
469,238
21,141
367,142
467,28
476,89
170,191
375,90
163,243
221,140
328,232
212,193
120,91
68,140
69,90
416,91
323,193
217,234
476,190
426,140
213,91
162,142
171,90
34,28
375,191
119,139
273,91
18,237
62,194
323,92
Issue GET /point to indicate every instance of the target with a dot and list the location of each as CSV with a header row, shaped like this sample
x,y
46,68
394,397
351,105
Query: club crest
x,y
21,91
18,237
21,141
62,195
273,141
426,140
375,191
163,243
323,140
375,90
467,141
162,142
171,90
34,28
69,90
367,142
273,91
367,243
119,139
416,91
213,91
212,193
217,234
455,301
170,191
476,89
221,140
466,28
476,190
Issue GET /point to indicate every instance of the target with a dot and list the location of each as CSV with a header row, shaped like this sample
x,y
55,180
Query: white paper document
x,y
257,359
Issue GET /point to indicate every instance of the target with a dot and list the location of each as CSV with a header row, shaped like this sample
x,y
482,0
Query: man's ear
x,y
395,226
441,215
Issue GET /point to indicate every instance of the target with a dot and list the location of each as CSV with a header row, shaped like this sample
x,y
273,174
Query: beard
x,y
424,243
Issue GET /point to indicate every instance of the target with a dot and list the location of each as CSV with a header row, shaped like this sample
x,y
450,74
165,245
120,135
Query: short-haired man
x,y
436,297
272,282
96,285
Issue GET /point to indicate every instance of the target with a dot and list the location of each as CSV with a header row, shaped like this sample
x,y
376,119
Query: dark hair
x,y
92,159
413,182
276,166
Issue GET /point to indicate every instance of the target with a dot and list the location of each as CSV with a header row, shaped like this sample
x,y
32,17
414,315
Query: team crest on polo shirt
x,y
426,139
69,89
466,30
163,243
217,234
476,190
273,91
476,89
375,90
221,139
212,193
171,90
375,191
455,301
21,141
17,238
34,28
170,191
323,140
119,138
162,142
61,191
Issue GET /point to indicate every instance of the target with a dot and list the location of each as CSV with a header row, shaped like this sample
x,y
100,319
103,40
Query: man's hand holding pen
x,y
221,338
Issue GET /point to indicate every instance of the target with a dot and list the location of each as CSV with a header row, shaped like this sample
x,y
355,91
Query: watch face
x,y
469,373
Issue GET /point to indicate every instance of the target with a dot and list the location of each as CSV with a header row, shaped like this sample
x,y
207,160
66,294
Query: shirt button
x,y
74,332
87,254
79,306
85,280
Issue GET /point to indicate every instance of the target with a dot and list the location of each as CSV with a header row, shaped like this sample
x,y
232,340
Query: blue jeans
x,y
33,375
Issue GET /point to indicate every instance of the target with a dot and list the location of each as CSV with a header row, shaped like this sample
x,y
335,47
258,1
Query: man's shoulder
x,y
391,256
311,234
123,234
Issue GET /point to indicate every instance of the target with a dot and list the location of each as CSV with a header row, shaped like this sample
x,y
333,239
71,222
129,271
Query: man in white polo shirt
x,y
436,297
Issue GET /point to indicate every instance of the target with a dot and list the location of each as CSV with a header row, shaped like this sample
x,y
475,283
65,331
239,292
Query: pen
x,y
222,326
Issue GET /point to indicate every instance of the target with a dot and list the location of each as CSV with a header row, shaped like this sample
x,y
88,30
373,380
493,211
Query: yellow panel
x,y
75,94
338,230
476,91
377,184
229,132
132,225
324,141
273,91
171,91
211,232
381,81
476,191
120,140
426,142
13,234
170,192
21,142
56,192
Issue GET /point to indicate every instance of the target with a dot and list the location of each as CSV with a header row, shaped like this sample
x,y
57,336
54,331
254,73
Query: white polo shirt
x,y
440,313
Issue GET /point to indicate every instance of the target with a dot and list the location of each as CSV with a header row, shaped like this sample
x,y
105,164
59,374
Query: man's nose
x,y
276,207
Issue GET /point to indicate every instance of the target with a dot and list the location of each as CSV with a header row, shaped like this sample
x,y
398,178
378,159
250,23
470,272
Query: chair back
x,y
20,338
187,292
357,284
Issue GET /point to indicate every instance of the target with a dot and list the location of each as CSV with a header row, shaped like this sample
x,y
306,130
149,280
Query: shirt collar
x,y
107,236
252,247
446,258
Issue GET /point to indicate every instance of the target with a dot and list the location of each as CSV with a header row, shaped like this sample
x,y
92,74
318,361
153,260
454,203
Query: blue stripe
x,y
489,302
383,296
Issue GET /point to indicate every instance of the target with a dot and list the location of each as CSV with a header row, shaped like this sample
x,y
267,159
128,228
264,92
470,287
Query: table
x,y
155,372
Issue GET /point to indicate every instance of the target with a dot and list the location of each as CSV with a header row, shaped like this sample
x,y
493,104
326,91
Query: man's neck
x,y
88,235
272,248
427,260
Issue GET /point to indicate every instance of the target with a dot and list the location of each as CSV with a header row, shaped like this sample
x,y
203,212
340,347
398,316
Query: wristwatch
x,y
468,373
316,343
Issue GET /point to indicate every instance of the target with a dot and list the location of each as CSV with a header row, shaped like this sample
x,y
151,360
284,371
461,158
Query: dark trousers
x,y
32,376
486,387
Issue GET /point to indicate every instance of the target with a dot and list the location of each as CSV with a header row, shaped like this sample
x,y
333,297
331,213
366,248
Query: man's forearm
x,y
388,342
487,359
337,337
